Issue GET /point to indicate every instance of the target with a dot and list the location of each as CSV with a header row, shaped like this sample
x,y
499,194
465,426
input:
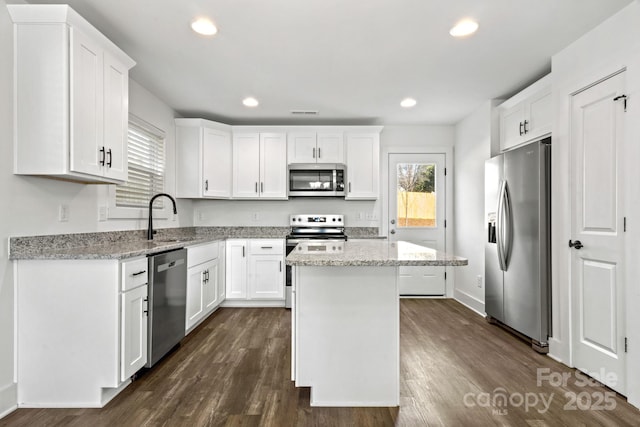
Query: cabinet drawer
x,y
134,273
266,247
201,253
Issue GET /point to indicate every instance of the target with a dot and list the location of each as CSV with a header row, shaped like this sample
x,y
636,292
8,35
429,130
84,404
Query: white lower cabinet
x,y
255,272
81,330
134,331
203,279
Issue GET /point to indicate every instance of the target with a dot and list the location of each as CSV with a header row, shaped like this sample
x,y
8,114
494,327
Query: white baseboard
x,y
8,399
252,303
557,351
469,301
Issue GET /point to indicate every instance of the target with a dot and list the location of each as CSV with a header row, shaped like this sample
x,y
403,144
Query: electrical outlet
x,y
361,216
255,216
201,216
479,280
103,213
63,213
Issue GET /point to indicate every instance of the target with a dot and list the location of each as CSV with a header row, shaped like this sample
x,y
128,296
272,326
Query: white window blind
x,y
146,165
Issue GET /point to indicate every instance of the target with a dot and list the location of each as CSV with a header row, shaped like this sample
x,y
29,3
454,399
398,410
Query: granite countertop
x,y
128,244
375,253
133,243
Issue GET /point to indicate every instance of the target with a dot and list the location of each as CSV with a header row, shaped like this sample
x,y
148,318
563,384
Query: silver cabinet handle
x,y
280,266
262,187
314,153
526,131
206,185
139,273
256,186
243,251
319,155
349,187
266,247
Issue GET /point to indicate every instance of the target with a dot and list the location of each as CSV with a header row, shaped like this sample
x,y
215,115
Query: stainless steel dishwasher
x,y
167,302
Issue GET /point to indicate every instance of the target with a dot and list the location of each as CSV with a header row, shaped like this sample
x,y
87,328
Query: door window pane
x,y
416,195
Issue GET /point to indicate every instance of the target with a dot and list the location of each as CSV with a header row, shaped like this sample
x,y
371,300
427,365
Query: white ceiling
x,y
353,61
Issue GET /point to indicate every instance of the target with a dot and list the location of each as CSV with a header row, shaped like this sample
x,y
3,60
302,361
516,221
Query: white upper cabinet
x,y
526,116
363,166
203,159
315,147
71,97
259,166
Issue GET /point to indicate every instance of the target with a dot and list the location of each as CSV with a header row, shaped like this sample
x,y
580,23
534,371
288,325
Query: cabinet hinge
x,y
624,98
625,344
624,224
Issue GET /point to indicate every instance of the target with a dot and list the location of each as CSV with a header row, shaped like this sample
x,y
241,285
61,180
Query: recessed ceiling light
x,y
464,28
204,27
250,102
408,103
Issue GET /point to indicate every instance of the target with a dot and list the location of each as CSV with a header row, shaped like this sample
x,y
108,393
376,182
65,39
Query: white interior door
x,y
597,272
417,215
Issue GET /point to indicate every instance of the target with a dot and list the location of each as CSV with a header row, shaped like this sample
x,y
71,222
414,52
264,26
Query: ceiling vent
x,y
304,112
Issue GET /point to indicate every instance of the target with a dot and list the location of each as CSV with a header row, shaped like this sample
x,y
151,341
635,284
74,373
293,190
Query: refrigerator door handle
x,y
500,226
508,223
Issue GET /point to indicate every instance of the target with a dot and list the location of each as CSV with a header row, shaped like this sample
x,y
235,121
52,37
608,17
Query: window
x,y
146,166
416,195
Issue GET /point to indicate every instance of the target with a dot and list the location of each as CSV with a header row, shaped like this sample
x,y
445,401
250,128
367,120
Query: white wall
x,y
7,387
30,204
474,136
610,47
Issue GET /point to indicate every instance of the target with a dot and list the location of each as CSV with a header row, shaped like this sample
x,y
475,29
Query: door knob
x,y
393,221
393,232
577,244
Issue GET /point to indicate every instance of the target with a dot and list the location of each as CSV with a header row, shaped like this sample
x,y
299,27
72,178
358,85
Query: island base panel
x,y
347,335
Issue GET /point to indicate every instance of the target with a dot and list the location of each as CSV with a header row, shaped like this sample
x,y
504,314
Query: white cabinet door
x,y
134,331
236,269
222,261
216,163
195,295
301,147
273,166
246,165
511,126
266,277
330,147
363,166
88,154
210,286
116,117
539,115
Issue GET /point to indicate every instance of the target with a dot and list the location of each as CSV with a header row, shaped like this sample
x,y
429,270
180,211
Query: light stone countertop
x,y
373,253
133,243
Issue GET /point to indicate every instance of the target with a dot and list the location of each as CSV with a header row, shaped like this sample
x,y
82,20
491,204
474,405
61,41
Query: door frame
x,y
623,281
566,83
448,208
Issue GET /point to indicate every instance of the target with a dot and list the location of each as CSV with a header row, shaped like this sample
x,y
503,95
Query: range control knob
x,y
339,219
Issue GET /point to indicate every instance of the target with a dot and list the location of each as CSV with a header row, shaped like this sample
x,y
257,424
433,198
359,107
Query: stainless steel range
x,y
314,233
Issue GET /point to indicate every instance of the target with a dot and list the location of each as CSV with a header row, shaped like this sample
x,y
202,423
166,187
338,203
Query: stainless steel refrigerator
x,y
517,244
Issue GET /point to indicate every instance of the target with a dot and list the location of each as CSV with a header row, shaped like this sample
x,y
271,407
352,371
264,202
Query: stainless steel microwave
x,y
316,180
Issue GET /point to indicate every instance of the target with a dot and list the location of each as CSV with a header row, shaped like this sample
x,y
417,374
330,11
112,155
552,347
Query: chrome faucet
x,y
150,231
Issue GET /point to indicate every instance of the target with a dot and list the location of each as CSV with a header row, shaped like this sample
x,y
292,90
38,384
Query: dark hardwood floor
x,y
234,370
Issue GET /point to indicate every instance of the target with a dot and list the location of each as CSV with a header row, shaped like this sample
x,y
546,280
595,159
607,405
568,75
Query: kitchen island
x,y
345,337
